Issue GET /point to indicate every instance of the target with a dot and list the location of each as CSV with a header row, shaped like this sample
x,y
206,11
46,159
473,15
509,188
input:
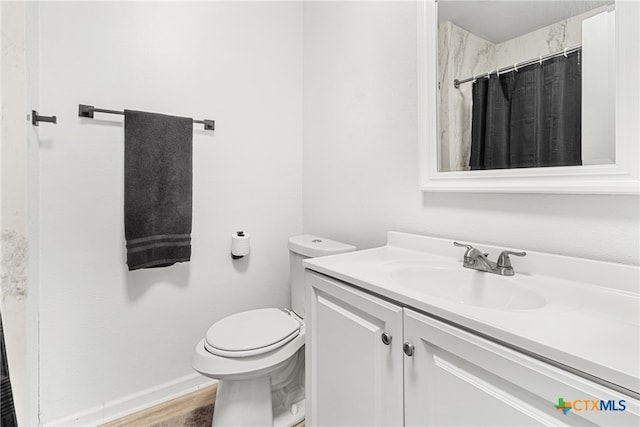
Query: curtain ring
x,y
488,74
541,60
565,52
498,72
515,67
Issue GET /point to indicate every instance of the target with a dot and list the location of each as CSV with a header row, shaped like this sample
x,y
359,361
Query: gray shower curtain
x,y
8,412
530,117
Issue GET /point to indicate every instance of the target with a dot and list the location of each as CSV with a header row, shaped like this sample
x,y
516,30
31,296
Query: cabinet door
x,y
353,377
457,378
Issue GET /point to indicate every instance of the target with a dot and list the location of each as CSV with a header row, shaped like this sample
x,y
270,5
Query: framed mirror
x,y
529,96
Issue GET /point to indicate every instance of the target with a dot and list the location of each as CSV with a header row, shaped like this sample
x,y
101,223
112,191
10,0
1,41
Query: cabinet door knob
x,y
386,338
408,349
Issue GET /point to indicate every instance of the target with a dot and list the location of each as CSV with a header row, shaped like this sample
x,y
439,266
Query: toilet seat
x,y
240,368
250,333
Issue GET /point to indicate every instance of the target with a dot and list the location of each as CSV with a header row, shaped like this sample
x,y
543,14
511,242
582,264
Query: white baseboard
x,y
133,403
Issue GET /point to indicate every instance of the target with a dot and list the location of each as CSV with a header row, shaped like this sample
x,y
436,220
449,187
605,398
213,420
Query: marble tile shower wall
x,y
462,54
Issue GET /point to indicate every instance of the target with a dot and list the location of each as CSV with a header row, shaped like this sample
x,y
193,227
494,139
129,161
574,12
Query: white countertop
x,y
590,320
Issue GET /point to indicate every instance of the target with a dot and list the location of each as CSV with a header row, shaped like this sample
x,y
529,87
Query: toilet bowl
x,y
258,355
261,383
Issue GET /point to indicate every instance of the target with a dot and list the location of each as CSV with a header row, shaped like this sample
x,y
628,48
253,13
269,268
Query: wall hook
x,y
37,118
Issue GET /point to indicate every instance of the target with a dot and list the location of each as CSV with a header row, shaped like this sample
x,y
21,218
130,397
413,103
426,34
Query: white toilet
x,y
258,355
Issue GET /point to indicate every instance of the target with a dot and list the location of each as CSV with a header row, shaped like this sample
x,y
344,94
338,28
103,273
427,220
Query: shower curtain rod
x,y
565,52
88,110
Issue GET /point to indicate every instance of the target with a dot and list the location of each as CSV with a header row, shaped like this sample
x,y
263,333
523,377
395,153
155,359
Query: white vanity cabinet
x,y
430,373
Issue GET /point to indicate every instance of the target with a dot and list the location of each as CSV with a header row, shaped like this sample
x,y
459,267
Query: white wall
x,y
17,296
107,333
360,152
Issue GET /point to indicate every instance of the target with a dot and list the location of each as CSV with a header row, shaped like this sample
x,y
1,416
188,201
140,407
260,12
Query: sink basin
x,y
467,287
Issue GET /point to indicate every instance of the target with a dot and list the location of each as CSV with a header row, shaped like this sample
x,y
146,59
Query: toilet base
x,y
243,403
270,400
254,409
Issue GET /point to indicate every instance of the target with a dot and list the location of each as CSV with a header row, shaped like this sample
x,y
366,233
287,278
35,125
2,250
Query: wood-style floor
x,y
173,412
191,410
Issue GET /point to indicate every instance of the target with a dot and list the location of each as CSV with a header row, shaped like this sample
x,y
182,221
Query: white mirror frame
x,y
619,178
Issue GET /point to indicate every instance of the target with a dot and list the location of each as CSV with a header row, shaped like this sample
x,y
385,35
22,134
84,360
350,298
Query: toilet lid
x,y
251,332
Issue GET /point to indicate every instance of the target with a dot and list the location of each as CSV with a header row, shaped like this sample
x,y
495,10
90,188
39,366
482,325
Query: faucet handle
x,y
471,251
504,261
463,245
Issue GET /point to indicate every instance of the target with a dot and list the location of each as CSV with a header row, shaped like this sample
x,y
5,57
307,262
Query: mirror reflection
x,y
525,84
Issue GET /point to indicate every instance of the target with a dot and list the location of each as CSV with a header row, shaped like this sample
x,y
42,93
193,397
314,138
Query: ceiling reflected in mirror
x,y
499,21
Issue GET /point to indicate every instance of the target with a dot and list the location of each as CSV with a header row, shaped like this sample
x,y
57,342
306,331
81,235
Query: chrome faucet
x,y
476,260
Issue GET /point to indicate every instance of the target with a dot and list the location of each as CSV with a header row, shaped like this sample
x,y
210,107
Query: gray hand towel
x,y
157,189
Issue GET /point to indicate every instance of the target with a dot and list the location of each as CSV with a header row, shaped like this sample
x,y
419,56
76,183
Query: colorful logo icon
x,y
563,406
590,405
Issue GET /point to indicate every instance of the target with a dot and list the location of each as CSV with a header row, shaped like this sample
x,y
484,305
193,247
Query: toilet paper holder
x,y
240,244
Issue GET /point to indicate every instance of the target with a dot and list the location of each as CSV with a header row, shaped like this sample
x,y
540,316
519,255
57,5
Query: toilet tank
x,y
303,247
